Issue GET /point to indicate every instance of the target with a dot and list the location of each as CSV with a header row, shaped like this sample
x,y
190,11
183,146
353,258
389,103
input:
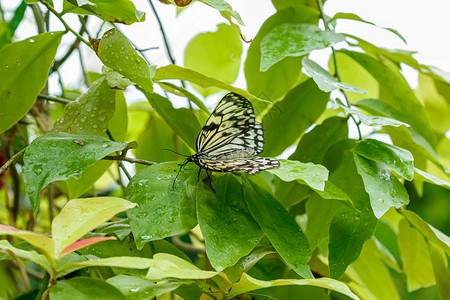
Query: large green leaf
x,y
350,228
30,59
294,40
401,96
137,288
181,120
313,175
128,262
314,145
247,284
325,81
80,216
166,207
38,259
117,53
225,222
430,178
215,54
118,129
177,72
224,7
275,82
117,11
415,257
440,268
384,189
84,288
301,106
58,156
90,113
279,227
393,157
372,272
320,213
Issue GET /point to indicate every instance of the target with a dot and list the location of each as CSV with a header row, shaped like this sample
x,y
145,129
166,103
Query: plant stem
x,y
15,158
54,99
336,70
163,33
187,247
38,17
129,159
59,16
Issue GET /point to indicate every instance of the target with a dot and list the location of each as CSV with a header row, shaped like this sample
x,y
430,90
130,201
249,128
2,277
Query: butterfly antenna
x,y
176,152
185,162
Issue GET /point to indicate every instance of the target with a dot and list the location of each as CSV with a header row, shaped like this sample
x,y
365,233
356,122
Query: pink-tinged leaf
x,y
38,240
84,243
7,227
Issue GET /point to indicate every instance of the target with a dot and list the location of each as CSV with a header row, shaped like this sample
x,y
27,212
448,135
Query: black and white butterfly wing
x,y
231,131
248,165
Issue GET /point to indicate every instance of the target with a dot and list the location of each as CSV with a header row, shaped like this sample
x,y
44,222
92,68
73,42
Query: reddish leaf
x,y
84,243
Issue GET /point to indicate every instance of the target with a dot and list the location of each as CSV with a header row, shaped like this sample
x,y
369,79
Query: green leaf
x,y
314,145
320,213
372,120
294,40
393,157
350,16
79,216
248,284
181,91
439,261
279,79
90,113
166,207
215,54
350,228
84,288
433,235
415,257
226,224
115,11
401,96
325,81
181,120
177,72
8,29
58,156
33,256
129,262
384,189
38,240
30,59
353,73
301,106
222,6
234,272
313,175
116,80
280,228
120,229
118,129
430,178
137,288
170,266
117,53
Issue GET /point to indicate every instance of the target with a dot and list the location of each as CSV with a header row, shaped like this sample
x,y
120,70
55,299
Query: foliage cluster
x,y
330,222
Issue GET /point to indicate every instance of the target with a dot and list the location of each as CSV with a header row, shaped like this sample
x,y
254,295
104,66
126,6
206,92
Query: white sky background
x,y
424,24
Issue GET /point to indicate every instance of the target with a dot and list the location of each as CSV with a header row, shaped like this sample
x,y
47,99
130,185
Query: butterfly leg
x,y
210,181
198,175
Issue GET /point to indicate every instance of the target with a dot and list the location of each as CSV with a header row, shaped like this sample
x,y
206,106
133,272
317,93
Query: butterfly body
x,y
231,138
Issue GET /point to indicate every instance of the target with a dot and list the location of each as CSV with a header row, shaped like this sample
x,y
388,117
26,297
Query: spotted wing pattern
x,y
248,165
231,131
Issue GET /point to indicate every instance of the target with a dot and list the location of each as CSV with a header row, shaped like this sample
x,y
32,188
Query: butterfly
x,y
230,139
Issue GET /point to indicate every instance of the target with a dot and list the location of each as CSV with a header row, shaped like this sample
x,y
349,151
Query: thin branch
x,y
326,23
121,165
15,158
186,246
40,21
163,33
129,159
69,52
54,99
59,16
